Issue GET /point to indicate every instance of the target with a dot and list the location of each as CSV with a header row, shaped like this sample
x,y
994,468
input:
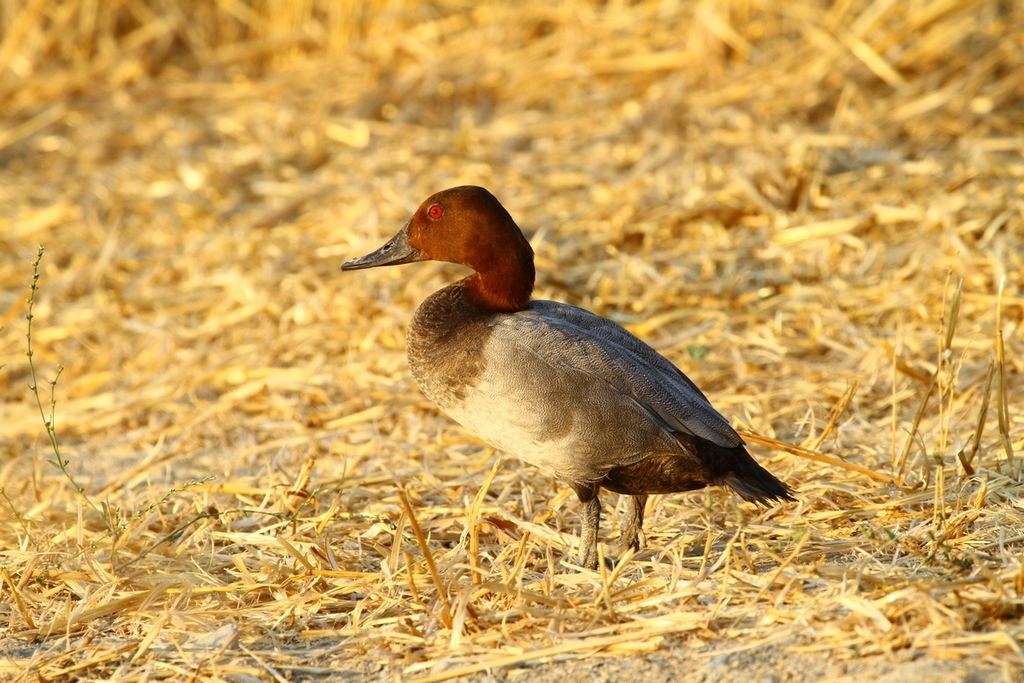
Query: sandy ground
x,y
780,196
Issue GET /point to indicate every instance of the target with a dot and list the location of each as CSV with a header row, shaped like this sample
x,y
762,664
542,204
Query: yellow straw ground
x,y
815,210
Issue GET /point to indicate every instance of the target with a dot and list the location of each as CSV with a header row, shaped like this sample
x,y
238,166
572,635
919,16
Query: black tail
x,y
751,481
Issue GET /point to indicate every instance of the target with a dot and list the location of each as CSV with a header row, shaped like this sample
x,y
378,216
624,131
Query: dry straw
x,y
814,209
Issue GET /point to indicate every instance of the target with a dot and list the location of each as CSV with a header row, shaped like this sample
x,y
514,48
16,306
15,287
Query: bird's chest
x,y
484,383
447,346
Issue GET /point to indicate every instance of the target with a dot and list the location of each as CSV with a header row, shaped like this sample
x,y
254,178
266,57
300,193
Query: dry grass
x,y
809,208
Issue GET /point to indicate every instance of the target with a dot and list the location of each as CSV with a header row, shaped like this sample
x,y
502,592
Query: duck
x,y
552,384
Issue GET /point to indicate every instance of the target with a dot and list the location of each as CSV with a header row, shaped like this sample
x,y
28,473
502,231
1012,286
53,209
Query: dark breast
x,y
445,345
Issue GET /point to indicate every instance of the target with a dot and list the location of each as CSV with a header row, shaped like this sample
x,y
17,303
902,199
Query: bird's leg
x,y
632,534
587,493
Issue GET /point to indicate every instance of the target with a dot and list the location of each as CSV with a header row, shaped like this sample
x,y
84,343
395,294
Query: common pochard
x,y
555,385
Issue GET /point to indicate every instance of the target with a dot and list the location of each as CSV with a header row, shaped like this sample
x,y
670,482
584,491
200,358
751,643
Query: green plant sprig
x,y
50,421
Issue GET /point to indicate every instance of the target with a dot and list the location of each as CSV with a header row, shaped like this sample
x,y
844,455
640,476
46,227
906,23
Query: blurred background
x,y
781,197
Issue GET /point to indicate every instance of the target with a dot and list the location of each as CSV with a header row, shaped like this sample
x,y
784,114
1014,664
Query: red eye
x,y
435,211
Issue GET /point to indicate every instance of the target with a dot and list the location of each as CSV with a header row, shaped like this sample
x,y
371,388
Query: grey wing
x,y
567,336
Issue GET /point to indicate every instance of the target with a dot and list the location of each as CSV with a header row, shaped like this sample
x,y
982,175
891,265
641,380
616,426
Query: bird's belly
x,y
576,427
513,424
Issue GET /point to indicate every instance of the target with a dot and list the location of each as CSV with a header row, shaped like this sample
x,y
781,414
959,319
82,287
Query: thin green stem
x,y
50,421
